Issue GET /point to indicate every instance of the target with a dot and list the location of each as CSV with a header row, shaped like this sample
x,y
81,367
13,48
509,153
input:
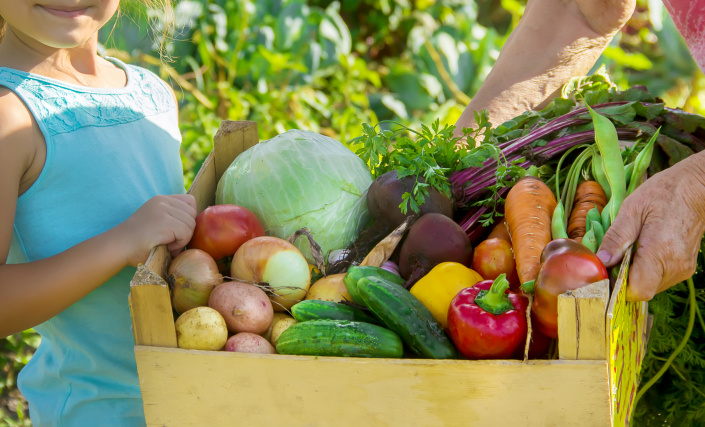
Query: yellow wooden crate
x,y
601,346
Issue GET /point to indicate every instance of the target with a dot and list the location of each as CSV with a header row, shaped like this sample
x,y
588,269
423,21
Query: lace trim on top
x,y
62,107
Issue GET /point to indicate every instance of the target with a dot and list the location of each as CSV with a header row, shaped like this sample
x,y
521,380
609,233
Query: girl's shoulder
x,y
14,114
21,142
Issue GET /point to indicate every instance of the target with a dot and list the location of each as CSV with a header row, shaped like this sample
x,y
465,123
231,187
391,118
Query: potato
x,y
245,307
277,316
329,288
246,342
201,328
279,325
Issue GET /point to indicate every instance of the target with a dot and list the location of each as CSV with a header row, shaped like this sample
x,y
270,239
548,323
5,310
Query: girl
x,y
90,181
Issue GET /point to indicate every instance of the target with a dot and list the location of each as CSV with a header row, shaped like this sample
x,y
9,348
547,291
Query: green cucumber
x,y
312,309
339,338
357,272
404,314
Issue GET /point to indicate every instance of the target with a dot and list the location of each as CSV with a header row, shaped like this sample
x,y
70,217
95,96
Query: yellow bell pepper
x,y
437,289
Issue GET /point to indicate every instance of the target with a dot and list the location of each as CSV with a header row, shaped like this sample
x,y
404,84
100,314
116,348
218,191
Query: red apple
x,y
222,229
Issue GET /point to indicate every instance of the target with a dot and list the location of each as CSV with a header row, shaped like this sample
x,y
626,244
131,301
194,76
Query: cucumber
x,y
339,338
357,272
404,314
312,309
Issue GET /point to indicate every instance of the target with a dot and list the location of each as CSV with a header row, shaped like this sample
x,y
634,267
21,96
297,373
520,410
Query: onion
x,y
192,275
391,267
276,262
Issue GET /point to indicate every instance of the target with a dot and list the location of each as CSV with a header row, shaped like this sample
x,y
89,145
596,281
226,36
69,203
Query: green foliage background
x,y
331,66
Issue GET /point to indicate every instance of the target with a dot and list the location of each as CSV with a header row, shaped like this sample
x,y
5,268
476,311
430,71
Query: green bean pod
x,y
608,143
593,215
641,164
599,173
589,241
557,223
605,217
598,231
628,171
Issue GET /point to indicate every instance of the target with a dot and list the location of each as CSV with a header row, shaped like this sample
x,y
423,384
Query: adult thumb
x,y
623,232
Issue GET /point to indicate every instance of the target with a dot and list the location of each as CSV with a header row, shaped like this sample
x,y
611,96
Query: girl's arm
x,y
554,41
34,292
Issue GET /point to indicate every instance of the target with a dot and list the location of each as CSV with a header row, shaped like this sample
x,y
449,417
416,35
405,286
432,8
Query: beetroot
x,y
385,196
432,239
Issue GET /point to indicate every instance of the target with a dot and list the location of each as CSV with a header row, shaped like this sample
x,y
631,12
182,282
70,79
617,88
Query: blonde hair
x,y
164,5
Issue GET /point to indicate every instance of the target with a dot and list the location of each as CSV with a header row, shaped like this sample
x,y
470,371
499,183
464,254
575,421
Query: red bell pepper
x,y
488,323
565,265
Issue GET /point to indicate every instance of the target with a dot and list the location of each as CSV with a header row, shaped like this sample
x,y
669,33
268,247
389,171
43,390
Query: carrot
x,y
528,210
588,195
500,231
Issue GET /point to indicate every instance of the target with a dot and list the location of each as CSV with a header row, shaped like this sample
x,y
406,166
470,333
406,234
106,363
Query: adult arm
x,y
554,41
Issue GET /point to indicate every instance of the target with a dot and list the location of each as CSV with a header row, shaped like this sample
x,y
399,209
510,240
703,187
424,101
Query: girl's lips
x,y
64,13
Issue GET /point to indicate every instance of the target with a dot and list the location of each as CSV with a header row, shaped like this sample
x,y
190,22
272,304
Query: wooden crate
x,y
593,383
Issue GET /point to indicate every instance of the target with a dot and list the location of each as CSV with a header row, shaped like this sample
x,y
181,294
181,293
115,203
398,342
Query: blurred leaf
x,y
637,61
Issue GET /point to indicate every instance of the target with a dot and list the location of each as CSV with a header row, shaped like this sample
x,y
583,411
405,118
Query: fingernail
x,y
604,256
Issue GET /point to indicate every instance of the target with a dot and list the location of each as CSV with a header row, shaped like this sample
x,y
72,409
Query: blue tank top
x,y
108,152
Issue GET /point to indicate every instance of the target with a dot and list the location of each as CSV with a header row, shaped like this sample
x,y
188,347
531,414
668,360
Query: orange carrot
x,y
500,231
528,209
588,195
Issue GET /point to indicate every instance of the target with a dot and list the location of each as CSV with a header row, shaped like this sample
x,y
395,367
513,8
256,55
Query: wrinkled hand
x,y
605,17
162,220
665,216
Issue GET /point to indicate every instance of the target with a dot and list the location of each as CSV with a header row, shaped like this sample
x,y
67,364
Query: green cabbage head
x,y
301,179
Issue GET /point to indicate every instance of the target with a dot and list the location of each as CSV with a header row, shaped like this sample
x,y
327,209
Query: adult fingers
x,y
645,274
623,232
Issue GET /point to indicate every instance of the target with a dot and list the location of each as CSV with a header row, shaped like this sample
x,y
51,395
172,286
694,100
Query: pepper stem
x,y
495,301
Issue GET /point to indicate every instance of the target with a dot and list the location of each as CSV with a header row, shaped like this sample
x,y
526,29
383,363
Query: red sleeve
x,y
689,17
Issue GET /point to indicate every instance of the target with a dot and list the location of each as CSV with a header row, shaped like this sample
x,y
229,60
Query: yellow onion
x,y
192,275
277,263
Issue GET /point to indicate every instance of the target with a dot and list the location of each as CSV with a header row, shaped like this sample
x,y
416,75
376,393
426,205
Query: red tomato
x,y
221,229
493,257
565,265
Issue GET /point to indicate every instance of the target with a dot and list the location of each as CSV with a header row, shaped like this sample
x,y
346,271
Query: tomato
x,y
493,257
222,229
565,265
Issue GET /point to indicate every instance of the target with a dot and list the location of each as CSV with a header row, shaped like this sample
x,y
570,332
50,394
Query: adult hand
x,y
605,17
665,217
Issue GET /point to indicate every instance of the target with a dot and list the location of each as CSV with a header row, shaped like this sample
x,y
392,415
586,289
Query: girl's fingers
x,y
185,202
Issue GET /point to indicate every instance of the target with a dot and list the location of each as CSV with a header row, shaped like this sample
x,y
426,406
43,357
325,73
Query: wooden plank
x,y
581,322
232,138
188,387
627,324
150,305
203,186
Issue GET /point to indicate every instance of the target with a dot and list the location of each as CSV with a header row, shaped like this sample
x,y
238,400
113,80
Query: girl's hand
x,y
665,216
162,220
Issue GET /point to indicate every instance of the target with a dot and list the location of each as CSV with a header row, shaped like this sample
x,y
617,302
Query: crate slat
x,y
187,388
581,322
